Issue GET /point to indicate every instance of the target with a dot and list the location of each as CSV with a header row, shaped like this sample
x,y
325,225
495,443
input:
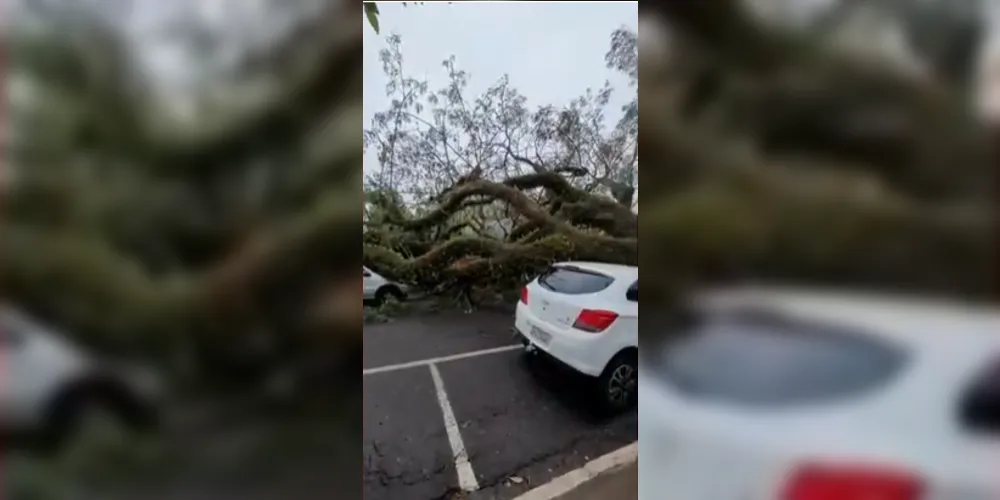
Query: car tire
x,y
618,383
72,407
386,292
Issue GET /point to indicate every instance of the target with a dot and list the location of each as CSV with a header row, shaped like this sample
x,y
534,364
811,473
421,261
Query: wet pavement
x,y
619,483
520,424
516,424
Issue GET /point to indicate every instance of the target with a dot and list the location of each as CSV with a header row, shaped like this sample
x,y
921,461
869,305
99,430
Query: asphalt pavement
x,y
621,483
451,404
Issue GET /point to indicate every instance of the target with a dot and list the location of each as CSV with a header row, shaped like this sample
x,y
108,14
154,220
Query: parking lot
x,y
451,405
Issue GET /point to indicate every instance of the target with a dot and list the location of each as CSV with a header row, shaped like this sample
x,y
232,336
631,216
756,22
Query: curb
x,y
566,483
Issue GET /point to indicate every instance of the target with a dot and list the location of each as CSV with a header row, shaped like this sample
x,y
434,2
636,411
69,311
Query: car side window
x,y
365,273
632,294
979,406
756,362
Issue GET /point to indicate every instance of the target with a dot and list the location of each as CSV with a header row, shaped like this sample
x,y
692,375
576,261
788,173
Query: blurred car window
x,y
754,362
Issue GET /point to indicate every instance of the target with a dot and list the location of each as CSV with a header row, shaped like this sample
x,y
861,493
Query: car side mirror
x,y
367,274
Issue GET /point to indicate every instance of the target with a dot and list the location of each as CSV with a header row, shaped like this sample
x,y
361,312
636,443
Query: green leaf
x,y
371,11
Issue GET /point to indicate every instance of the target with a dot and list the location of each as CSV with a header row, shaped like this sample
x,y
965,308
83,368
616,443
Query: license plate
x,y
540,335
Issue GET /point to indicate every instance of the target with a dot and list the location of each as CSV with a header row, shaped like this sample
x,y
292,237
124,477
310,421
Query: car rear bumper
x,y
534,350
584,352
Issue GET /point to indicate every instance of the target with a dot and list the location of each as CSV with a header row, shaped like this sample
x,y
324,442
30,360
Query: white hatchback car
x,y
586,315
794,394
377,289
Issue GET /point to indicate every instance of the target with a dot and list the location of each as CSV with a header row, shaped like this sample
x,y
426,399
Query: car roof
x,y
912,320
616,270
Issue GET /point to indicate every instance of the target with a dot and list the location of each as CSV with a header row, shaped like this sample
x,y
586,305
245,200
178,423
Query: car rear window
x,y
772,363
574,281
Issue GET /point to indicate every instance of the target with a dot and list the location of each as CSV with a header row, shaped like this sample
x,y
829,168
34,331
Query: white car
x,y
586,315
378,289
50,386
795,394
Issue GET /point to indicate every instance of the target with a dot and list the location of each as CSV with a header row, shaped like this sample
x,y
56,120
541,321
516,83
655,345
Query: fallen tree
x,y
569,224
478,194
849,169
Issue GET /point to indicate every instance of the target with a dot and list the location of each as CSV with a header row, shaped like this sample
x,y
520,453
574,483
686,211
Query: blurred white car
x,y
586,315
378,289
786,394
50,386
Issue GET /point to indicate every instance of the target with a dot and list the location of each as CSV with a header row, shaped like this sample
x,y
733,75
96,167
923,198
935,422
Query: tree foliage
x,y
480,191
843,167
140,234
371,13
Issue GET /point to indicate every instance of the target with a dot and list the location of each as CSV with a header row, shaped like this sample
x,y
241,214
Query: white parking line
x,y
571,480
466,476
443,359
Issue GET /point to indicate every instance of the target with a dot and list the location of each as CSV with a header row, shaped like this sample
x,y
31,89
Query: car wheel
x,y
388,292
618,385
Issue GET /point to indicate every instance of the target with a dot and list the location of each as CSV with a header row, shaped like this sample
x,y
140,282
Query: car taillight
x,y
591,320
823,482
524,295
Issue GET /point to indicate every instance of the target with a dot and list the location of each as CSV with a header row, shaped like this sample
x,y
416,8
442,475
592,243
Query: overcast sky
x,y
552,51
